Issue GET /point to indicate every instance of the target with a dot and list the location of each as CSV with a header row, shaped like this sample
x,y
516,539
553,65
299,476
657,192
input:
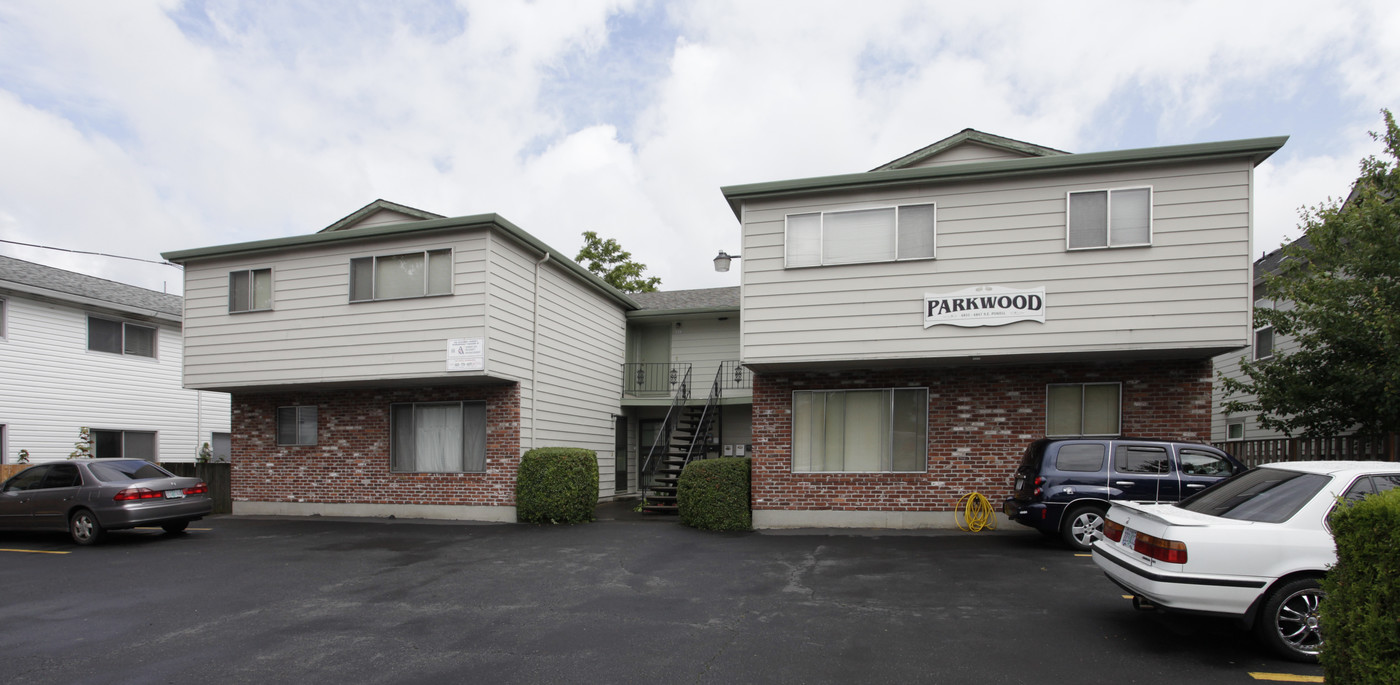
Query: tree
x,y
1339,299
614,265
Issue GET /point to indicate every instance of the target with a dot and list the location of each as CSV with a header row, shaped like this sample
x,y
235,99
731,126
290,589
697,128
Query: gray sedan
x,y
87,497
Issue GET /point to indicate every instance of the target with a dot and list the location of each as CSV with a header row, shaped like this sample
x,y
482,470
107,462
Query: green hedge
x,y
713,494
557,485
1361,613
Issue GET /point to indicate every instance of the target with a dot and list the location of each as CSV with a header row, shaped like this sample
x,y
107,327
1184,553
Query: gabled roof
x,y
68,286
377,232
1254,149
966,136
376,206
704,300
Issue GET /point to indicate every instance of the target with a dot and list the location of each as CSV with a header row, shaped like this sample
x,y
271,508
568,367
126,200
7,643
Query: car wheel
x,y
1288,622
173,527
84,528
1080,525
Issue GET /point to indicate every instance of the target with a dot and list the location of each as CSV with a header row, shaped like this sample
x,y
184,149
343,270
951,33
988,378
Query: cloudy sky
x,y
144,126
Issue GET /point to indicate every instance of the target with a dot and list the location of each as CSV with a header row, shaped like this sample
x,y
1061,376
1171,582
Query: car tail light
x,y
1170,551
1039,481
200,489
1113,530
137,493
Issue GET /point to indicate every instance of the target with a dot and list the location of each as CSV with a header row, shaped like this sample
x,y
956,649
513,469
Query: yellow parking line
x,y
1127,596
1083,555
33,551
1287,677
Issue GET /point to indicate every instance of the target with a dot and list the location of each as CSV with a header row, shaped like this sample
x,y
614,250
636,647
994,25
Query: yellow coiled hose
x,y
976,513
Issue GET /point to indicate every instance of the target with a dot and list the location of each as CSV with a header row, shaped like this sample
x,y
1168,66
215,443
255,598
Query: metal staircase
x,y
684,436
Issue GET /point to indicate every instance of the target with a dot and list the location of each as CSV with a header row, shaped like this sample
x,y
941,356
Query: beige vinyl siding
x,y
705,343
1189,290
582,339
53,386
314,334
1229,365
967,152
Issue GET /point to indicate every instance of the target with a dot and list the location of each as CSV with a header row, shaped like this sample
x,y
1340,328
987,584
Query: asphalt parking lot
x,y
243,600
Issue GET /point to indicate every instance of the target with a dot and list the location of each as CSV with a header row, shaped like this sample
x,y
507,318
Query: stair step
x,y
662,509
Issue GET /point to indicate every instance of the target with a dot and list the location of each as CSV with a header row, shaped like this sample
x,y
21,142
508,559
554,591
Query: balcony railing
x,y
734,376
655,379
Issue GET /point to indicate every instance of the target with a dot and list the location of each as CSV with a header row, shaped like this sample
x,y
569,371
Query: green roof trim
x,y
1256,149
380,231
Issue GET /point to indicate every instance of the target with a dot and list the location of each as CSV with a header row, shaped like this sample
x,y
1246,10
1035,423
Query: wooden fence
x,y
215,474
1255,452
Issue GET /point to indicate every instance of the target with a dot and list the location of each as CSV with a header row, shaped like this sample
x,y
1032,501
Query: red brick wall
x,y
350,462
980,421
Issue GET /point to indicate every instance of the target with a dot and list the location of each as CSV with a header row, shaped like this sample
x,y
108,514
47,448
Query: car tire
x,y
1288,621
1079,525
84,528
174,527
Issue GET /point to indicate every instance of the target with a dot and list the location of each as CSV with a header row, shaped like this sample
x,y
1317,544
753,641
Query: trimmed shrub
x,y
557,485
1361,613
713,494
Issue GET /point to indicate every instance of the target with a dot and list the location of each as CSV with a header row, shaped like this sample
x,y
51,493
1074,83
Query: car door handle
x,y
1124,482
1195,485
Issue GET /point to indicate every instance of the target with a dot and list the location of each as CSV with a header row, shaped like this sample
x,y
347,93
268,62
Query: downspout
x,y
535,350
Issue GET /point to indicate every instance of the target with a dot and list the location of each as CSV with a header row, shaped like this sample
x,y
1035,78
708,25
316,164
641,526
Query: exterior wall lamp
x,y
722,261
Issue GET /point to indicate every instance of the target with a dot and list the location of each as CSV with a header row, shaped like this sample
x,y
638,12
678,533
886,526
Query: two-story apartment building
x,y
912,328
82,352
400,363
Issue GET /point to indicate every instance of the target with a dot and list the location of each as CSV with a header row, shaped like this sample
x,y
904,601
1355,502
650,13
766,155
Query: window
x,y
1262,495
416,274
250,290
1140,459
3,318
1110,218
1082,409
222,447
1234,429
108,444
438,437
296,425
1082,458
1202,463
860,430
864,235
1263,343
105,335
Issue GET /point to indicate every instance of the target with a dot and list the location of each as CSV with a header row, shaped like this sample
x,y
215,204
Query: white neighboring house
x,y
78,351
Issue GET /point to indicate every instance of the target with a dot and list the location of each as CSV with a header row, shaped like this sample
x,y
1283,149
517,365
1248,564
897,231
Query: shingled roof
x,y
703,298
22,276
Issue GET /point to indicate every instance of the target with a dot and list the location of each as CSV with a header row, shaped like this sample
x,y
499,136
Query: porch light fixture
x,y
722,261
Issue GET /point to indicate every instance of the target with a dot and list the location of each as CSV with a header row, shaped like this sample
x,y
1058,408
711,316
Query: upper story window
x,y
884,234
1263,343
1081,409
1110,218
250,290
392,277
118,337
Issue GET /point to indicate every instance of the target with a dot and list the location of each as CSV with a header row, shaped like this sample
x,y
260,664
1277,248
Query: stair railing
x,y
702,430
663,436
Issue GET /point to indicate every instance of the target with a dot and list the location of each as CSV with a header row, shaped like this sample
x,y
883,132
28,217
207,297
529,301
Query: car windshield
x,y
1262,495
127,469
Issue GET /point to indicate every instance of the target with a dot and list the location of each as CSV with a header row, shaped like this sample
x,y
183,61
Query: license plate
x,y
174,494
1129,538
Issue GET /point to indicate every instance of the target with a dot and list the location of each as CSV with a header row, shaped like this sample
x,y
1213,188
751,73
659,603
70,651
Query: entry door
x,y
620,456
651,353
647,430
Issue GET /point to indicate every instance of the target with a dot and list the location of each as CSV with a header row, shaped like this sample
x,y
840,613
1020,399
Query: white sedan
x,y
1252,547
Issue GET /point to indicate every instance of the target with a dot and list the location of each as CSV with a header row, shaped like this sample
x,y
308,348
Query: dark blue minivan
x,y
1064,485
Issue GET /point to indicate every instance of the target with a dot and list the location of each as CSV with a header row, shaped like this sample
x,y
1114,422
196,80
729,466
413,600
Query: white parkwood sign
x,y
986,305
466,354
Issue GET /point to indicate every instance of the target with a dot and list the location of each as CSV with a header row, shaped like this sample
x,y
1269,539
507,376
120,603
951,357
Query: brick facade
x,y
979,423
350,462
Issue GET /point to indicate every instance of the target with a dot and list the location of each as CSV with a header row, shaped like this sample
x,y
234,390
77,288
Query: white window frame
x,y
4,319
1082,434
252,288
1273,344
462,409
155,442
1231,424
427,276
1108,208
822,239
155,337
297,418
885,459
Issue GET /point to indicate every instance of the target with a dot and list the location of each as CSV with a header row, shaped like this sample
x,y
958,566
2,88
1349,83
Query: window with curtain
x,y
438,437
1110,218
1075,409
116,337
861,236
883,430
296,425
392,277
250,290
